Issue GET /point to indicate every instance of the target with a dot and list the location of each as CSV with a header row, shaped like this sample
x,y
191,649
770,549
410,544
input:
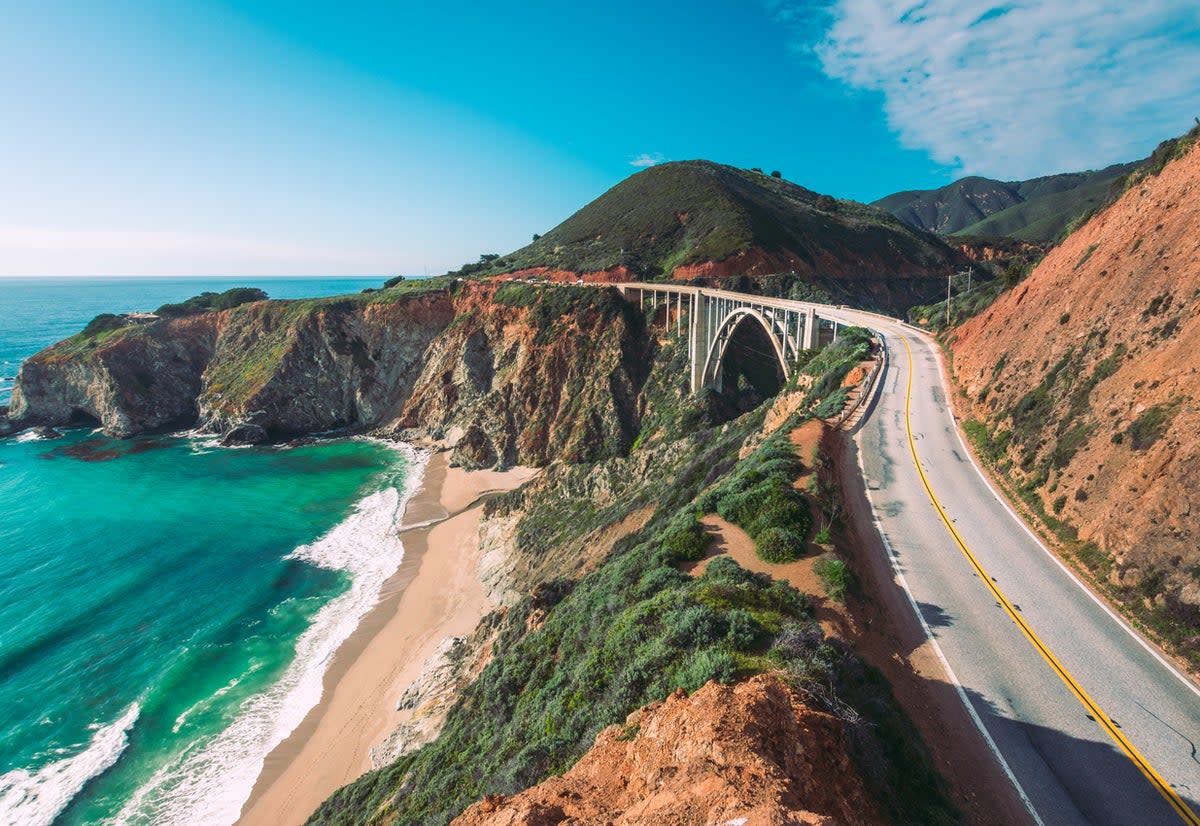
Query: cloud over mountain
x,y
1019,89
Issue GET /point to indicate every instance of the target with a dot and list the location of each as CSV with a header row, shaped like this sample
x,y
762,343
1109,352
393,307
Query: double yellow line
x,y
1164,788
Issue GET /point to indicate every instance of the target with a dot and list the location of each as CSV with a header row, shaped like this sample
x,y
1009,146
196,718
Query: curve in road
x,y
1092,725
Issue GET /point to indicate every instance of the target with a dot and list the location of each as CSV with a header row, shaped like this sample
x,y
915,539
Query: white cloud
x,y
1019,89
646,159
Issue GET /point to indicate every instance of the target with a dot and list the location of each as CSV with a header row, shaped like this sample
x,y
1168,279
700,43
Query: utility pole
x,y
948,277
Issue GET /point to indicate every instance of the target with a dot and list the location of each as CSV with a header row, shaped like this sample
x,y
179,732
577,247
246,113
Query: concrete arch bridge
x,y
713,319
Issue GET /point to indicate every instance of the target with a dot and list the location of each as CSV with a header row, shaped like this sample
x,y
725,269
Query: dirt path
x,y
880,626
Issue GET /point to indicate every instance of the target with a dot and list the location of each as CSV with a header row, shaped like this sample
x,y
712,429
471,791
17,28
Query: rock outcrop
x,y
750,754
499,382
1087,373
140,378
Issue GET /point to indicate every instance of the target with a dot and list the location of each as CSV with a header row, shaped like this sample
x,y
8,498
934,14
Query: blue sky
x,y
383,137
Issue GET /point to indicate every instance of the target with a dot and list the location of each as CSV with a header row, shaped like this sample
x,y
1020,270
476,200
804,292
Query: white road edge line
x,y
937,649
1057,561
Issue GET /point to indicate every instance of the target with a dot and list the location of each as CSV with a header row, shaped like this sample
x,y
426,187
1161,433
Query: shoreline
x,y
434,594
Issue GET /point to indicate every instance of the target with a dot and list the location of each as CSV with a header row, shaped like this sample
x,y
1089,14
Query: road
x,y
1089,722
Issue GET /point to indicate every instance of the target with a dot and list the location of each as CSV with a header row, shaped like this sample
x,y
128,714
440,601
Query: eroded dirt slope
x,y
1087,375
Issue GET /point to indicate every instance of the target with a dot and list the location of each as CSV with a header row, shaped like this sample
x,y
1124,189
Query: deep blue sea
x,y
168,607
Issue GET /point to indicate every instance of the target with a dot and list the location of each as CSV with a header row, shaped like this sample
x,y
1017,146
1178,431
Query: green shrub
x,y
1149,426
832,405
694,626
781,507
744,630
779,545
103,323
703,666
687,542
836,576
211,301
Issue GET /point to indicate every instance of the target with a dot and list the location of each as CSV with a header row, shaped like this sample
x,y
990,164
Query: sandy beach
x,y
435,594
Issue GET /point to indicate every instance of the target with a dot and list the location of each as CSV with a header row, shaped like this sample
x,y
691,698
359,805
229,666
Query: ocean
x,y
168,607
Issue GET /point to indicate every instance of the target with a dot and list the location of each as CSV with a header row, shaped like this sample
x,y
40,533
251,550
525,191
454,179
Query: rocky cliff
x,y
751,754
502,372
1086,376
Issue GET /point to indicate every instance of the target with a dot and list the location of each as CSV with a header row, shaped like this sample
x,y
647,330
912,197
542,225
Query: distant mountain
x,y
1036,210
701,219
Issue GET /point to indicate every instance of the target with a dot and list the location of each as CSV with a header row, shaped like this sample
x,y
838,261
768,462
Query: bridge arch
x,y
714,361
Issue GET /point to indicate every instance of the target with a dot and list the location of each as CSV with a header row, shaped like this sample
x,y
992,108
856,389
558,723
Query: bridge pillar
x,y
810,329
698,338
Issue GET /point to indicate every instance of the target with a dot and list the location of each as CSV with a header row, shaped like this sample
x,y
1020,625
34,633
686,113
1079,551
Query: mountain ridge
x,y
1036,210
700,219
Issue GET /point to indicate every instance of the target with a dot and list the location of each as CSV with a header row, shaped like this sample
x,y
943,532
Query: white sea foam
x,y
35,798
210,784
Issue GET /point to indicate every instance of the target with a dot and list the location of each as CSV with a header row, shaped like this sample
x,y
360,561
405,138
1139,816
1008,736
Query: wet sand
x,y
435,594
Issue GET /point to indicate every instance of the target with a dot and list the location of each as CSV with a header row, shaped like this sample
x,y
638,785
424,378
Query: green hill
x,y
697,212
1036,210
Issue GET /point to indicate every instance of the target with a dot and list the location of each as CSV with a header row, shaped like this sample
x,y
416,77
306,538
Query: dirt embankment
x,y
752,754
1088,376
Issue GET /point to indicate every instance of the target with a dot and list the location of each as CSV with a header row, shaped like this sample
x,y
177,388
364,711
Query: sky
x,y
260,138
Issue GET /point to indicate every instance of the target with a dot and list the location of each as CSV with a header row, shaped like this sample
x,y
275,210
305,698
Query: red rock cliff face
x,y
500,383
504,389
1093,366
142,379
750,754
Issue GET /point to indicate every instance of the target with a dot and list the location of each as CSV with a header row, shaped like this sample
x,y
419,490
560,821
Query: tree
x,y
775,173
536,236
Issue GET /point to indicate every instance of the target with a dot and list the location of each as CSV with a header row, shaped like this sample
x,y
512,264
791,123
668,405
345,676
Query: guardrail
x,y
868,386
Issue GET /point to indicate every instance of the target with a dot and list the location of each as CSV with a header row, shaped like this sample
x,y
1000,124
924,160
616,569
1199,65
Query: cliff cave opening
x,y
750,372
82,418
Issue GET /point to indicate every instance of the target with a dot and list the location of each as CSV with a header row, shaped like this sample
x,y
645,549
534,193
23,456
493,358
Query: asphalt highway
x,y
1090,723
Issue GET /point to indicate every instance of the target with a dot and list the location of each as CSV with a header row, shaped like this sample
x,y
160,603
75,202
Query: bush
x,y
781,507
836,576
211,301
779,545
703,666
744,630
686,544
832,405
103,323
1149,426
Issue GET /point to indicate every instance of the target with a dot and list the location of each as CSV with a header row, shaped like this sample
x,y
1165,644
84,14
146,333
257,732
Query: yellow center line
x,y
1164,788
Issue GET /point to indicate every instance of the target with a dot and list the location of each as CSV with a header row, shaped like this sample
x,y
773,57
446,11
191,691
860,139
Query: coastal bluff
x,y
503,375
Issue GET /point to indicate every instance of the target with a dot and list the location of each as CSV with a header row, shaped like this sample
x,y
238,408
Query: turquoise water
x,y
168,608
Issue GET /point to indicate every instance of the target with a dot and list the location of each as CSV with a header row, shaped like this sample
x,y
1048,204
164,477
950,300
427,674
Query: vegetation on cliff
x,y
212,302
688,214
576,655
